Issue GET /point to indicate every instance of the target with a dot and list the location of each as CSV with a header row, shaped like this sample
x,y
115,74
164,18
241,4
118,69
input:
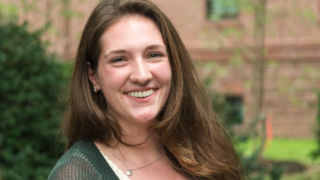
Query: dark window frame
x,y
236,102
219,10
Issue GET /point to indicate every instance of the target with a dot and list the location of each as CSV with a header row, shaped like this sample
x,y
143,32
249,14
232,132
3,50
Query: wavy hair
x,y
193,138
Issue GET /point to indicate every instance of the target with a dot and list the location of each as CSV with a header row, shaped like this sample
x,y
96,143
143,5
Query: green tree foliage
x,y
31,80
229,116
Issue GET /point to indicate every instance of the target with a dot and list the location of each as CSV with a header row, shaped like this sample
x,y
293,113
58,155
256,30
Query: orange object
x,y
269,130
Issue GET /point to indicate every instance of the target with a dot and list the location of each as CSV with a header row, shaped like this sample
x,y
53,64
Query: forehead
x,y
132,30
132,20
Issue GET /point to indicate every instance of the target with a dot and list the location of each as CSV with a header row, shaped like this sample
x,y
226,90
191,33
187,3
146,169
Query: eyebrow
x,y
155,46
120,51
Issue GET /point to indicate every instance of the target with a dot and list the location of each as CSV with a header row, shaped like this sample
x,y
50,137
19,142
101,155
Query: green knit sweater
x,y
83,161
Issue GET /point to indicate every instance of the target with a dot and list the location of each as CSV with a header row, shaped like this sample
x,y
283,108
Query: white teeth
x,y
141,94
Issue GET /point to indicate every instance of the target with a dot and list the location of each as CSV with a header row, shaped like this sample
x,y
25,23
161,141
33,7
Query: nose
x,y
140,72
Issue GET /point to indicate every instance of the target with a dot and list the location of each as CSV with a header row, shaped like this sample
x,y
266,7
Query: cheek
x,y
111,79
164,73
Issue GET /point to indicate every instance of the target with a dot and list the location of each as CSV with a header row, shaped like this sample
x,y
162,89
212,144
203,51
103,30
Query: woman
x,y
137,109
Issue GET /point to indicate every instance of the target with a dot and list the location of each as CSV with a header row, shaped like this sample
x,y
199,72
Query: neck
x,y
133,158
135,133
148,146
138,142
138,157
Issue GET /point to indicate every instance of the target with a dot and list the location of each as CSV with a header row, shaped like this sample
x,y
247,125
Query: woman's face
x,y
134,72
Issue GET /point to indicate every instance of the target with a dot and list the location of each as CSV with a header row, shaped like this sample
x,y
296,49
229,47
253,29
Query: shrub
x,y
30,109
316,153
230,116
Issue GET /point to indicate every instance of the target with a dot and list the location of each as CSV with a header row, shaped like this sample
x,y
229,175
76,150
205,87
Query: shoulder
x,y
82,161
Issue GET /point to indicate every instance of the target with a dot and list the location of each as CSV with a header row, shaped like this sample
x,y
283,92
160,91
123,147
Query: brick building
x,y
220,33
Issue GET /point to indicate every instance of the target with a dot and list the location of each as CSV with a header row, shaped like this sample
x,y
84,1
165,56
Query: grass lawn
x,y
291,150
294,150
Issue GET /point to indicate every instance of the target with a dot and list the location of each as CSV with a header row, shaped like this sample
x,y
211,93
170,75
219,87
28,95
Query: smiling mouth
x,y
141,94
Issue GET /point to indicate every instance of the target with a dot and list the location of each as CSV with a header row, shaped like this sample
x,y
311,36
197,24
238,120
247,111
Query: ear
x,y
93,77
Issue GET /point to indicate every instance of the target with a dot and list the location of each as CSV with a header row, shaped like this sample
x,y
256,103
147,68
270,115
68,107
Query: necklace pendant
x,y
129,172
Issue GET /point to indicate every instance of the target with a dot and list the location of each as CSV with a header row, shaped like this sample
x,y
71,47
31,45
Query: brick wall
x,y
292,41
293,54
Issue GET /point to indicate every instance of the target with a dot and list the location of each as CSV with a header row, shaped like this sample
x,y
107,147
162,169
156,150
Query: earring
x,y
95,89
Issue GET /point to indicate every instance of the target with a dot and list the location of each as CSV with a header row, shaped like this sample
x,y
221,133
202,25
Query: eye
x,y
117,60
155,54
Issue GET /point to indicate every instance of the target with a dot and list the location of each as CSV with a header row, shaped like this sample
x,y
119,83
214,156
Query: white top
x,y
115,168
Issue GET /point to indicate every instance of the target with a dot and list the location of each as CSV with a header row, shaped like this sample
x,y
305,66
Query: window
x,y
222,9
235,112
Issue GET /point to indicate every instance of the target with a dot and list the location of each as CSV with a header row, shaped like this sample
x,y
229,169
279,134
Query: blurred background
x,y
259,60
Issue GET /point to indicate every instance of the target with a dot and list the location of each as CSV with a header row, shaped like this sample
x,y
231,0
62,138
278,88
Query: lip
x,y
142,100
140,90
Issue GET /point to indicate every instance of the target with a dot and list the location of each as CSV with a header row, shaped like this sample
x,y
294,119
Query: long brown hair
x,y
187,126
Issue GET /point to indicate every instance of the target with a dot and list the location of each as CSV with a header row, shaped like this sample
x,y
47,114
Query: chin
x,y
145,118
